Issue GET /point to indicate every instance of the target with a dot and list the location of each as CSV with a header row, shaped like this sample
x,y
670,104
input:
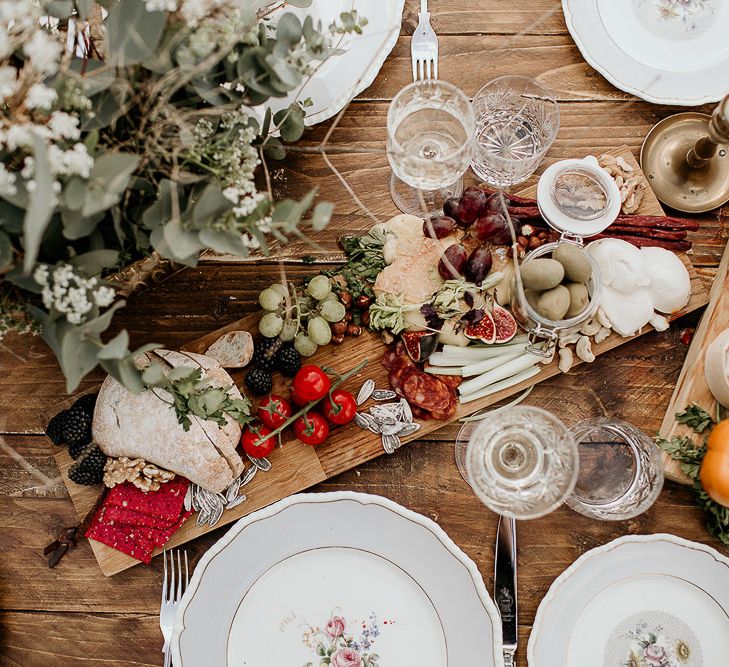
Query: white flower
x,y
231,194
40,97
7,181
104,296
64,126
40,275
8,82
19,14
76,161
28,167
43,51
160,5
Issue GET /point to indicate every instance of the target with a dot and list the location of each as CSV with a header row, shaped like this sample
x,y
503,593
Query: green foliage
x,y
192,395
364,260
689,454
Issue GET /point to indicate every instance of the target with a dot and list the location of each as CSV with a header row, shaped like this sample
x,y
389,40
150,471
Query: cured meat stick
x,y
640,242
662,221
677,235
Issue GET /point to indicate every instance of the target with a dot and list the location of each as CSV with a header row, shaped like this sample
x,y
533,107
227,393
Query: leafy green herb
x,y
365,260
690,455
695,417
191,395
388,312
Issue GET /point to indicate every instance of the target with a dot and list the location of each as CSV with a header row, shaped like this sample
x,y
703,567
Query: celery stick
x,y
444,370
498,386
489,364
471,356
506,370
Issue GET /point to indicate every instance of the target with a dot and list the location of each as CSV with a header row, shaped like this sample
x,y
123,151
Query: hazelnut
x,y
365,318
346,299
523,241
338,340
339,328
362,301
353,330
543,235
348,316
534,242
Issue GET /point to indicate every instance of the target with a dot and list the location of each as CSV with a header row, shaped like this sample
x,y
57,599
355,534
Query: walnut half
x,y
143,475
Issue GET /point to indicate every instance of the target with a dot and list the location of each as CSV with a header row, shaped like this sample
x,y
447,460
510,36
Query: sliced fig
x,y
505,324
419,344
482,328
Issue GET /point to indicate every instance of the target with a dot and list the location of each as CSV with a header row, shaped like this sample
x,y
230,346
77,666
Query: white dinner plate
x,y
351,577
345,75
641,601
665,51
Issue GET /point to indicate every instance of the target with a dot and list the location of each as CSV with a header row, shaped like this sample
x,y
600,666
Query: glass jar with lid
x,y
579,199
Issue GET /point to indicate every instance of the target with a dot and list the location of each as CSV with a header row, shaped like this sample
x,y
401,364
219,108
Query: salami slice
x,y
451,381
426,391
447,410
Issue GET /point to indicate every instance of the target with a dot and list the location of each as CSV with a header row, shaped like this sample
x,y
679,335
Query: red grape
x,y
450,208
493,227
472,202
438,227
478,265
496,203
453,262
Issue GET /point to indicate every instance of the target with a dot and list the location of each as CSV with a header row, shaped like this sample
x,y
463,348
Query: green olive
x,y
554,303
542,274
576,262
579,298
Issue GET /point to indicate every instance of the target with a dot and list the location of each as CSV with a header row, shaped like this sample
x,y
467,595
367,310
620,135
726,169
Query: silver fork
x,y
424,47
172,590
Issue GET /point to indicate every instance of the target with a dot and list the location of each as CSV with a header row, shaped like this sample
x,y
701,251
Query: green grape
x,y
319,287
270,325
281,289
332,296
289,330
304,345
270,299
333,311
319,331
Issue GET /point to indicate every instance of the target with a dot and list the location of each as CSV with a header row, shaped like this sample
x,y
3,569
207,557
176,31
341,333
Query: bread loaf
x,y
145,426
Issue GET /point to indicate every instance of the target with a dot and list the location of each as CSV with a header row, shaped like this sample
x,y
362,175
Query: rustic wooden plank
x,y
691,386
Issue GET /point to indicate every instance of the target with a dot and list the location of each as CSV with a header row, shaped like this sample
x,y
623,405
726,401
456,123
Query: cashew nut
x,y
591,327
584,349
659,323
566,359
568,339
602,335
603,319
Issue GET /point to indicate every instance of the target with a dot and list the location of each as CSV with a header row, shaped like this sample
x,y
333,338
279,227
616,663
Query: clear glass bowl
x,y
543,332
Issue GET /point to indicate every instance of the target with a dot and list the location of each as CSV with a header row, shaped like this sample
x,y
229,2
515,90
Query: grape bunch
x,y
302,318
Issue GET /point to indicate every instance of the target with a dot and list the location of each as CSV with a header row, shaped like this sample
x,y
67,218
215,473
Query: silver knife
x,y
505,586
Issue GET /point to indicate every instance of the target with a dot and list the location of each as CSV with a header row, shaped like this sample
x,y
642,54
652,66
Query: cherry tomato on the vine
x,y
250,438
274,410
311,383
339,407
296,399
312,429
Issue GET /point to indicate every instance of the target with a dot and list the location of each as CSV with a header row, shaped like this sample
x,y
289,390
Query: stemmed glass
x,y
430,130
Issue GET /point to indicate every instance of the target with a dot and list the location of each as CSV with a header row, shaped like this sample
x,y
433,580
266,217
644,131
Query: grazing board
x,y
295,466
691,386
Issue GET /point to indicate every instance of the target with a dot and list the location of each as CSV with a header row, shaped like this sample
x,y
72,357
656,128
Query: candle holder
x,y
686,162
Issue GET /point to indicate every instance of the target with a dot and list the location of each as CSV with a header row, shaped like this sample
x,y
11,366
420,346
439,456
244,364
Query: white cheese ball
x,y
670,285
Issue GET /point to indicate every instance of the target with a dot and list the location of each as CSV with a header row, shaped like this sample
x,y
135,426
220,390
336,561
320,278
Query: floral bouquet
x,y
133,129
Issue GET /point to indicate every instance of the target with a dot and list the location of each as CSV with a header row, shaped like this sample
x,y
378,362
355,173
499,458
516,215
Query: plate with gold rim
x,y
639,601
339,579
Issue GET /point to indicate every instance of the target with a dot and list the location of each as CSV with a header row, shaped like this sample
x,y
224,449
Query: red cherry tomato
x,y
297,399
339,407
274,410
312,429
311,383
250,438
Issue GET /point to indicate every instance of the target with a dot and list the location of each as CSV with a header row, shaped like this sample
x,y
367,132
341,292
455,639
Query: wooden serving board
x,y
296,467
691,386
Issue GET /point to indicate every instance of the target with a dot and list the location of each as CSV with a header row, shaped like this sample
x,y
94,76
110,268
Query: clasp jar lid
x,y
578,197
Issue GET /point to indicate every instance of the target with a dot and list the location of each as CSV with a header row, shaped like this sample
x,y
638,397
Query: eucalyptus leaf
x,y
125,372
299,3
6,250
182,242
84,7
116,348
74,193
133,33
290,122
60,9
289,29
11,218
101,323
109,105
211,205
224,242
321,215
154,374
26,282
157,239
78,357
108,180
49,329
95,261
97,75
77,226
42,203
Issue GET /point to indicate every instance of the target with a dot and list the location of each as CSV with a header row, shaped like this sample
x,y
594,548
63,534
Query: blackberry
x,y
87,403
89,467
259,381
288,360
54,430
264,354
76,426
75,449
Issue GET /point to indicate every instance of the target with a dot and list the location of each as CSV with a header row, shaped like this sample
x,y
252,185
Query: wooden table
x,y
74,616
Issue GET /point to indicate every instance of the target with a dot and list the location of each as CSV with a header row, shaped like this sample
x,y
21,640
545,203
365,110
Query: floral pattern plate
x,y
336,580
640,601
665,51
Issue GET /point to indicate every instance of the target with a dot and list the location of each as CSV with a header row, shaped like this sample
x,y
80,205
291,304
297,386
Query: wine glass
x,y
522,462
430,130
517,120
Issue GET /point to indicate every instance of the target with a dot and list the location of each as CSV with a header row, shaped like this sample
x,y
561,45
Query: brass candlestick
x,y
686,162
